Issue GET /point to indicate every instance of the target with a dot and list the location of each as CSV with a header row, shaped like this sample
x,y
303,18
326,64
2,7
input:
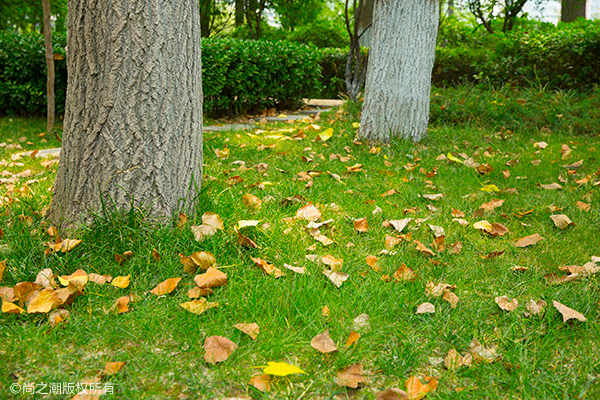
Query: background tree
x,y
253,12
215,16
487,11
399,74
570,10
49,66
293,13
133,121
28,15
356,64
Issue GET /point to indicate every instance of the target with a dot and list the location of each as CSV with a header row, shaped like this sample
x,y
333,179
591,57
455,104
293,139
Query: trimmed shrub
x,y
237,75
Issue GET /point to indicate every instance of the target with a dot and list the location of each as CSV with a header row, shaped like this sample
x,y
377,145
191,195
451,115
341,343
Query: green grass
x,y
540,357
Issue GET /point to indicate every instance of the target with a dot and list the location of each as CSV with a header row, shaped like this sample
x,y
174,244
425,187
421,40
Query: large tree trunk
x,y
49,66
133,119
572,9
365,22
399,72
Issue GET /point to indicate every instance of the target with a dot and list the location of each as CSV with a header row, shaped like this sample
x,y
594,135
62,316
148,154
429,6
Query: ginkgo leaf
x,y
3,268
326,134
568,313
483,226
212,278
121,305
218,349
245,223
198,306
121,281
281,369
250,329
267,268
166,286
323,343
78,278
352,338
453,159
372,262
490,188
351,376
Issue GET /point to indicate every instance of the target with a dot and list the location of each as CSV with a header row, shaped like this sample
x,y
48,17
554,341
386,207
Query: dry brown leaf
x,y
551,186
121,258
555,279
498,229
267,268
111,368
202,231
404,274
461,221
583,206
588,268
212,278
212,219
422,248
3,268
354,168
99,279
491,205
434,197
565,152
437,290
325,311
506,304
308,212
252,202
352,338
23,291
334,263
484,226
450,297
198,306
337,278
568,313
391,241
479,353
121,304
456,248
324,240
425,308
57,317
392,393
65,245
400,224
261,382
528,240
244,240
196,292
43,301
44,278
155,255
298,270
218,348
372,262
203,259
121,281
11,308
457,213
438,231
351,376
323,343
361,225
67,294
416,390
166,286
534,308
561,221
250,329
78,278
453,360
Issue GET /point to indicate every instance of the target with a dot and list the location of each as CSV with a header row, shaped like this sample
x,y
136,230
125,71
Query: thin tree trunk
x,y
239,13
399,72
572,9
133,119
450,10
49,66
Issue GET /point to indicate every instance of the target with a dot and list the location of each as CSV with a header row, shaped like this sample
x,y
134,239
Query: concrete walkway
x,y
315,106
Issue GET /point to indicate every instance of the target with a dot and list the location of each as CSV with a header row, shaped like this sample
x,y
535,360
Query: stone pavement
x,y
315,106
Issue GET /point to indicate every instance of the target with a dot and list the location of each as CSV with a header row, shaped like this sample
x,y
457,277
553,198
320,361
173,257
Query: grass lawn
x,y
536,357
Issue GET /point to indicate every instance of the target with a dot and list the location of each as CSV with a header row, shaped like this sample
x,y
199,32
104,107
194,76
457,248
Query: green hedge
x,y
238,75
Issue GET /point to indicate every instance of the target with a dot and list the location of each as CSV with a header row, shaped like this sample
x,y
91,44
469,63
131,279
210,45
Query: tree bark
x,y
570,10
50,115
133,119
398,84
365,22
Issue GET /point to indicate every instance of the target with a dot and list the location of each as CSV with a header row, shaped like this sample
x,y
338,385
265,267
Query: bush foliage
x,y
238,75
244,75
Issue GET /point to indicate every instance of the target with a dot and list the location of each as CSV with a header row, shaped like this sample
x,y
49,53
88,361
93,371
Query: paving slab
x,y
55,152
227,127
323,102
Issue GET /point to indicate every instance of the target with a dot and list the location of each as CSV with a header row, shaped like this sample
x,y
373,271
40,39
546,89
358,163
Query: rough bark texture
x,y
401,59
49,66
570,10
133,119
